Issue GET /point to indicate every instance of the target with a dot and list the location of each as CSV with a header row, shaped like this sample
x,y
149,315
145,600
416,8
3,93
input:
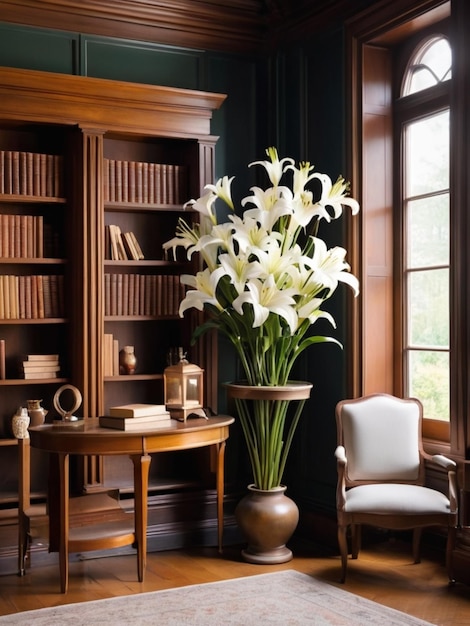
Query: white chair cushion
x,y
381,436
396,499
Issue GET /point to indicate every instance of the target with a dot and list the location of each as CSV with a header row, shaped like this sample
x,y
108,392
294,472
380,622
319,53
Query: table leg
x,y
220,492
141,482
63,460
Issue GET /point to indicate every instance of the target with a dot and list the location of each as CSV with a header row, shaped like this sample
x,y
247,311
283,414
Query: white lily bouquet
x,y
266,276
267,273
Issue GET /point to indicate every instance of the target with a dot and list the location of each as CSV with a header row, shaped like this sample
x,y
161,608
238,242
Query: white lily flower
x,y
275,168
248,234
205,204
265,298
222,189
219,238
331,268
334,196
273,261
204,292
271,204
302,176
239,269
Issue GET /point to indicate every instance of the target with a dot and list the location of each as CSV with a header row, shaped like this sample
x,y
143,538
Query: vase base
x,y
270,557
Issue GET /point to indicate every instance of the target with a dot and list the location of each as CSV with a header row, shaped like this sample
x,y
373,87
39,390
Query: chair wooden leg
x,y
356,540
451,537
23,544
416,544
343,548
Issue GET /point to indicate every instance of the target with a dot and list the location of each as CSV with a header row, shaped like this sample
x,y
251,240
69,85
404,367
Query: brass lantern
x,y
183,389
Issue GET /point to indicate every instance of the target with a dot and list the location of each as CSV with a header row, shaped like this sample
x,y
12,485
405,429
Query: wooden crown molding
x,y
48,97
231,25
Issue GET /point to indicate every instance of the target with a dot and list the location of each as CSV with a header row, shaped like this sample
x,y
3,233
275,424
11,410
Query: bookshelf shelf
x,y
21,382
137,207
144,263
20,199
31,261
132,378
139,318
7,441
28,322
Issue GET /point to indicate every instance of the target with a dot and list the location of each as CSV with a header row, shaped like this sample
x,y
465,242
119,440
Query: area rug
x,y
286,598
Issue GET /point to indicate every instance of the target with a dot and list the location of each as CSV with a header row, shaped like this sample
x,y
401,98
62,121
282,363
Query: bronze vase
x,y
267,519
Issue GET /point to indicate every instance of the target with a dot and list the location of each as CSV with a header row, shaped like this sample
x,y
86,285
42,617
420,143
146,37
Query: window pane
x,y
428,308
428,231
427,155
428,374
431,65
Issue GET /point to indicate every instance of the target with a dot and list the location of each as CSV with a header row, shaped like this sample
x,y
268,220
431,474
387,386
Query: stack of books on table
x,y
136,417
40,366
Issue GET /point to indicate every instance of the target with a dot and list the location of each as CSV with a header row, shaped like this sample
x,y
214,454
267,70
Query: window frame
x,y
406,109
372,41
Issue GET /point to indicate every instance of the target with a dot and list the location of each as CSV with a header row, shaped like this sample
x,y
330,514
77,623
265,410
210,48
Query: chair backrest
x,y
382,438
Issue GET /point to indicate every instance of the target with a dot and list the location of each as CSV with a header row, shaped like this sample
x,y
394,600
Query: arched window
x,y
423,281
430,65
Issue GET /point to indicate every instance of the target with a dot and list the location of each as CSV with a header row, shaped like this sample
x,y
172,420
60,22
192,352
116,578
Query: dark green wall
x,y
293,100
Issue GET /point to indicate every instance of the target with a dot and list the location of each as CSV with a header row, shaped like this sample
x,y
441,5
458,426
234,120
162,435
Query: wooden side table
x,y
90,439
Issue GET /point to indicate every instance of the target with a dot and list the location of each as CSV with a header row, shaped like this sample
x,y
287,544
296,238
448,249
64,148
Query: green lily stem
x,y
268,437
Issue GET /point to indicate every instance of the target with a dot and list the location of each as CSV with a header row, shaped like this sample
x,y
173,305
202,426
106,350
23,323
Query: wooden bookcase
x,y
85,128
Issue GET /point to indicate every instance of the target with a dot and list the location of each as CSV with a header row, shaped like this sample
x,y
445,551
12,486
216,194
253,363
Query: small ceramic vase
x,y
36,412
20,423
127,360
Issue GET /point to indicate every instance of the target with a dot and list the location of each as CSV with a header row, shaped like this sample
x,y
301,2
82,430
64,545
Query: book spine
x,y
125,181
2,360
131,295
164,183
118,180
40,297
107,294
16,172
28,313
145,183
8,172
112,180
125,295
139,182
50,175
43,174
132,181
2,171
106,180
158,183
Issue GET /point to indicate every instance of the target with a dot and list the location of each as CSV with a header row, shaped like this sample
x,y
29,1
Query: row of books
x,y
142,294
31,296
21,236
136,417
145,183
121,246
40,366
110,355
31,174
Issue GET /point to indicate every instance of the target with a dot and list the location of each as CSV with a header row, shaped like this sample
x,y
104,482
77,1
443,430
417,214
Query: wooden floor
x,y
384,573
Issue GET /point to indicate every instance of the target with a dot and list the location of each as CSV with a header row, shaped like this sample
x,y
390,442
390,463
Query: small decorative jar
x,y
127,360
20,423
37,413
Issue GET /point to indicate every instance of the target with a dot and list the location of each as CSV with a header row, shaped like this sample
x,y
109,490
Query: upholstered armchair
x,y
381,474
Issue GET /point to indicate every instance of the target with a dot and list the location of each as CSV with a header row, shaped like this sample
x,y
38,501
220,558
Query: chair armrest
x,y
340,454
443,461
450,466
341,464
